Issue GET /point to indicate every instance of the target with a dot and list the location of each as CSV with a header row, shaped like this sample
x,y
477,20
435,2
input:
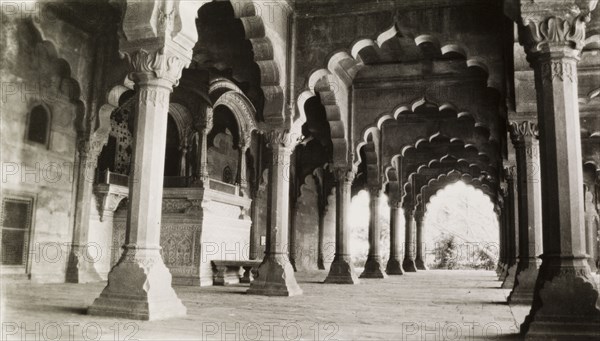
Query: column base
x,y
139,287
342,271
420,264
80,268
320,263
275,278
509,278
394,267
524,288
373,268
409,265
566,302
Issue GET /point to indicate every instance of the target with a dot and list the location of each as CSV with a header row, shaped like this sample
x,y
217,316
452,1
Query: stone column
x,y
342,269
183,159
276,274
420,257
243,182
409,262
374,264
566,299
591,230
139,286
512,227
204,128
254,208
502,236
394,264
524,138
80,267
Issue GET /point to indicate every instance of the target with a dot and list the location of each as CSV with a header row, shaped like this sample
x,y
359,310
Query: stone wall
x,y
33,74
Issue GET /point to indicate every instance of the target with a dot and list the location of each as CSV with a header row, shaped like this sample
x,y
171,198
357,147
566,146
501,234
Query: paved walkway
x,y
428,305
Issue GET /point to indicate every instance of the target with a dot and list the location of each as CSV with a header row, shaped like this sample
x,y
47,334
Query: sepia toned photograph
x,y
299,170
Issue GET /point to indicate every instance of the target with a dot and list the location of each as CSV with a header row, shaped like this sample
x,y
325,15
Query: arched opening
x,y
115,156
38,130
461,229
172,148
223,146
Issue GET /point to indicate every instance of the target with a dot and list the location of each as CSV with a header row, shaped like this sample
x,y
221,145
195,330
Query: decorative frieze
x,y
560,70
181,205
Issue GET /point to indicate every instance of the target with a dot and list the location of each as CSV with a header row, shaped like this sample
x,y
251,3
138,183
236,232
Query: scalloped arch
x,y
343,65
264,57
414,106
451,177
242,109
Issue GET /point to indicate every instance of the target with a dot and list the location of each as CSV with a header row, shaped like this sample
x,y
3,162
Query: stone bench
x,y
226,272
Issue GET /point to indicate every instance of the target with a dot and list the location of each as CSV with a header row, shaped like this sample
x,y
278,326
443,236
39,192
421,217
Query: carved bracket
x,y
108,198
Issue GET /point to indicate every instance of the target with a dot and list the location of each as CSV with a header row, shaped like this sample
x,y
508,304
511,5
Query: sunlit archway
x,y
461,229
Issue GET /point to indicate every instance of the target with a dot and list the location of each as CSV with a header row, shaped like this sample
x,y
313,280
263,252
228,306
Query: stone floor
x,y
428,305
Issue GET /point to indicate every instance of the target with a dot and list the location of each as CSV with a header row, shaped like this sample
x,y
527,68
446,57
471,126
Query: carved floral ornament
x,y
282,139
519,130
542,33
160,63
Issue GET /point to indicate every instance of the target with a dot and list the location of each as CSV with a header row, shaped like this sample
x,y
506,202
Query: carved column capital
x,y
503,189
157,39
160,64
520,130
344,175
282,139
547,24
375,191
394,203
89,150
419,215
510,169
541,32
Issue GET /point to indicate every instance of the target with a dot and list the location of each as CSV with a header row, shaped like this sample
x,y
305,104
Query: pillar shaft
x,y
139,286
276,274
204,129
374,264
512,226
502,240
342,269
254,208
566,299
524,136
409,262
420,247
80,269
394,265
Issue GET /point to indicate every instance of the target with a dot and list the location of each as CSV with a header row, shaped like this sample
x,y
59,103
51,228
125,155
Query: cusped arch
x,y
477,128
183,119
243,110
434,186
264,57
